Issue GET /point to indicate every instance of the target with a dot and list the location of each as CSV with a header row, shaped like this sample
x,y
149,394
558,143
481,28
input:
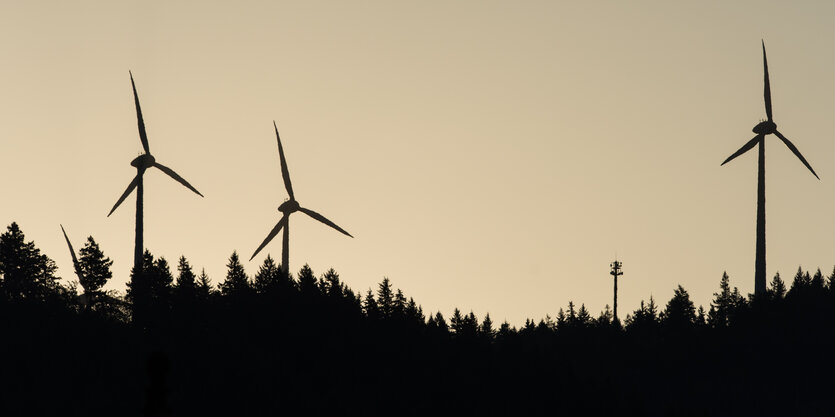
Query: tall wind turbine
x,y
141,163
763,129
288,207
84,298
76,266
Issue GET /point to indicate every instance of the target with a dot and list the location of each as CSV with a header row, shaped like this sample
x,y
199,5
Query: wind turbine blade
x,y
284,172
793,148
767,88
744,148
127,192
139,120
176,177
322,219
270,236
72,252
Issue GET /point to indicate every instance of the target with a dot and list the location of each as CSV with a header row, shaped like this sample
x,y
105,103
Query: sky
x,y
485,155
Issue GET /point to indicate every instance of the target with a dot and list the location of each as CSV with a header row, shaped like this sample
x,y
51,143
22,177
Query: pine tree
x,y
399,306
645,319
237,282
504,332
800,284
680,313
94,269
414,313
486,329
185,288
205,289
333,288
583,317
26,273
456,322
370,307
385,298
724,304
831,281
817,284
307,282
605,318
778,287
267,278
441,323
161,280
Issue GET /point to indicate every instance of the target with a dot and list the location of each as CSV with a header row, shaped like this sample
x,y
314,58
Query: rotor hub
x,y
143,161
289,206
766,127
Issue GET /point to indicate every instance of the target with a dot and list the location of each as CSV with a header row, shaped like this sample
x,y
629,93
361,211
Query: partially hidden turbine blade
x,y
744,148
796,152
176,177
767,88
322,219
271,235
127,192
284,172
72,252
139,120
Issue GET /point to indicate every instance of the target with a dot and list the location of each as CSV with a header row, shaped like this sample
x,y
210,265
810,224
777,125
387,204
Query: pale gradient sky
x,y
492,156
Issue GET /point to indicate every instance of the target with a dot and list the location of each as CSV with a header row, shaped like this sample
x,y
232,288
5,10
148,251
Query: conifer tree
x,y
605,318
645,319
25,272
800,285
385,298
399,305
307,282
680,313
161,280
186,287
486,329
817,284
205,289
267,278
725,304
441,323
414,313
94,269
830,281
370,307
237,282
456,322
778,287
333,288
583,316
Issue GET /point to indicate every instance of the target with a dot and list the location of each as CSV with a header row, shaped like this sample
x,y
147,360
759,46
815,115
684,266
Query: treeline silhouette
x,y
272,344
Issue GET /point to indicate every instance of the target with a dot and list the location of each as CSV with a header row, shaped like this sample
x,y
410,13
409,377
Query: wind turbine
x,y
141,163
76,267
763,129
288,207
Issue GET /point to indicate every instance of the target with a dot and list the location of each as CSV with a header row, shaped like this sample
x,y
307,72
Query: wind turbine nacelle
x,y
289,206
765,128
143,161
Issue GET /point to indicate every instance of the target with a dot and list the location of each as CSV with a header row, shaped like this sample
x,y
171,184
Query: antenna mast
x,y
616,271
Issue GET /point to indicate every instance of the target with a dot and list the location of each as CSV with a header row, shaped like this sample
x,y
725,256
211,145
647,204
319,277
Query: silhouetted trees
x,y
275,345
680,313
237,282
725,305
94,270
27,274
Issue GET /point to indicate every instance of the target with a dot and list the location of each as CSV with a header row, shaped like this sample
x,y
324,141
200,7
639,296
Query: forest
x,y
178,343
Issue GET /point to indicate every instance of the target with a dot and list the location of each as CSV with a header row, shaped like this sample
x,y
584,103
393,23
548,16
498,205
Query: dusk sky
x,y
491,156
